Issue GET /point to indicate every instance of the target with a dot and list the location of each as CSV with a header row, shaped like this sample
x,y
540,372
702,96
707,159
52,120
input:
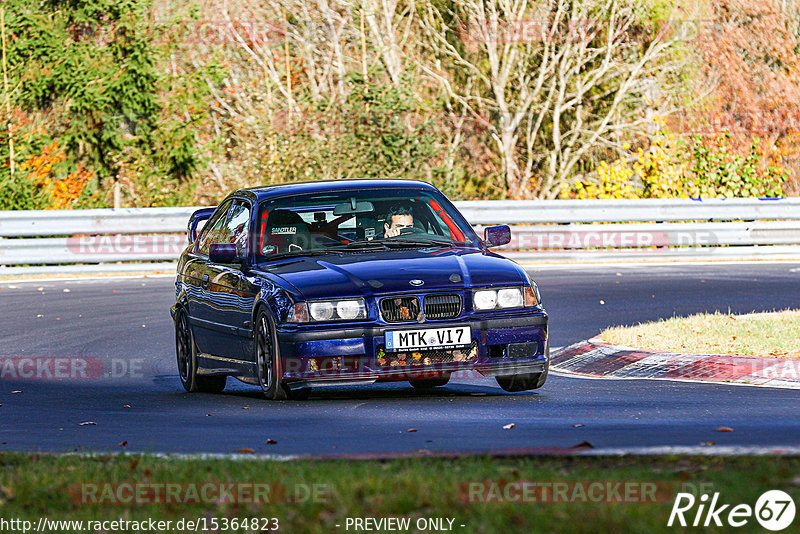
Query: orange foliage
x,y
67,190
63,192
750,61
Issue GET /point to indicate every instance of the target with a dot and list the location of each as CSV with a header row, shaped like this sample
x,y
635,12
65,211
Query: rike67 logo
x,y
774,510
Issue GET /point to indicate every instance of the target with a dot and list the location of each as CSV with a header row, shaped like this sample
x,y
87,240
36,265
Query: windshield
x,y
353,220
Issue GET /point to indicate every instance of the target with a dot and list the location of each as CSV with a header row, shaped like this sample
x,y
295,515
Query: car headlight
x,y
350,309
485,300
329,310
509,298
503,298
321,311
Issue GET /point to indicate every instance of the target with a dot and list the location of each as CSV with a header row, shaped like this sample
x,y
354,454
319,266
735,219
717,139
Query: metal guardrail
x,y
628,210
544,230
94,222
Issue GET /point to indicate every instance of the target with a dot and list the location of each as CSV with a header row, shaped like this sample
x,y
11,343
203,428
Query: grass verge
x,y
34,486
761,334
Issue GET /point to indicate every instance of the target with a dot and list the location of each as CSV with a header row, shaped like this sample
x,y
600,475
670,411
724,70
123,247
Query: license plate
x,y
429,338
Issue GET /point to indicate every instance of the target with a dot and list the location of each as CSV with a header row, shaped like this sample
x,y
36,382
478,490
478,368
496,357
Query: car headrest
x,y
283,229
285,222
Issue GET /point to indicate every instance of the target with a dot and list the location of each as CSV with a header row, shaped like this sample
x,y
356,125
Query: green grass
x,y
33,485
774,335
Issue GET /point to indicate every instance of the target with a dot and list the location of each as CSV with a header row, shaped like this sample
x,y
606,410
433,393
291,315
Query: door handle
x,y
205,281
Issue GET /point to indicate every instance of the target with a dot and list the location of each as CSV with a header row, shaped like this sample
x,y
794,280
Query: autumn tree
x,y
553,81
749,57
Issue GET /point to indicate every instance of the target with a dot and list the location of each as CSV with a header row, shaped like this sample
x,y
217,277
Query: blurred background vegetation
x,y
158,103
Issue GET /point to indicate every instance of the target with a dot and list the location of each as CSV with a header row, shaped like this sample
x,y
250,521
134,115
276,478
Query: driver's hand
x,y
393,231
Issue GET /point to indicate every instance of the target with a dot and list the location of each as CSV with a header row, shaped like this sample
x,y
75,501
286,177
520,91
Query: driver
x,y
397,218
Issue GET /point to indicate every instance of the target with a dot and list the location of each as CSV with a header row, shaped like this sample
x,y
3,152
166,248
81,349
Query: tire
x,y
186,355
268,362
426,383
527,381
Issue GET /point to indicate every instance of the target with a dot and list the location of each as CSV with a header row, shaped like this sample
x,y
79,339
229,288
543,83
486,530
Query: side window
x,y
236,228
212,229
439,225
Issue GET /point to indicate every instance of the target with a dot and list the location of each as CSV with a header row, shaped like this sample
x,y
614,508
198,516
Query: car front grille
x,y
421,358
442,306
400,309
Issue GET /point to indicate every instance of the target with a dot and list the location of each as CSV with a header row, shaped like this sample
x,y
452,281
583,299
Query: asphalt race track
x,y
120,332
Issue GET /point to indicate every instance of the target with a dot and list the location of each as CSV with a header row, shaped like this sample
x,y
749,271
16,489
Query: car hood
x,y
391,271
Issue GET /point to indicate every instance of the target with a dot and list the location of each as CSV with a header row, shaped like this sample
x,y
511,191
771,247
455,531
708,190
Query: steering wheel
x,y
409,230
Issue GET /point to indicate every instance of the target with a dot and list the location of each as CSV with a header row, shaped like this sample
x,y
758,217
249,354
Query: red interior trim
x,y
263,230
455,232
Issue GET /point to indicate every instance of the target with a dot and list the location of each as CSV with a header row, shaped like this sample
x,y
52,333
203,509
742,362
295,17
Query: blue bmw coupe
x,y
305,285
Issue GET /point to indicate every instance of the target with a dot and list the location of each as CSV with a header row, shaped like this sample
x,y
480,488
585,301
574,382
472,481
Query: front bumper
x,y
318,356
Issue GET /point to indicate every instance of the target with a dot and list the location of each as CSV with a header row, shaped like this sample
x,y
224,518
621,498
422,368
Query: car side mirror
x,y
224,253
494,236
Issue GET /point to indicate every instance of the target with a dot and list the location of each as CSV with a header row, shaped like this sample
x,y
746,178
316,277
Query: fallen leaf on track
x,y
411,430
509,426
245,450
87,423
724,429
17,391
706,443
126,405
583,445
123,443
271,441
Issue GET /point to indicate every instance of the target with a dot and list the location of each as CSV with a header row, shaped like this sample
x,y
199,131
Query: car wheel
x,y
186,353
268,359
425,383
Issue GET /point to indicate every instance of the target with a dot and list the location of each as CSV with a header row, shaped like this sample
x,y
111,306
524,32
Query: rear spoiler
x,y
198,216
